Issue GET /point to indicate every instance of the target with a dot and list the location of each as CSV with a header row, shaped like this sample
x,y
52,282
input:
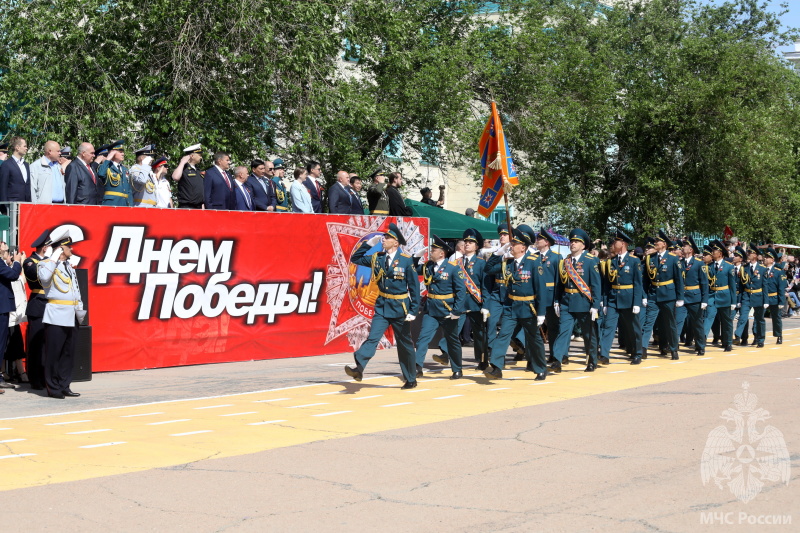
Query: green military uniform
x,y
283,205
377,198
116,181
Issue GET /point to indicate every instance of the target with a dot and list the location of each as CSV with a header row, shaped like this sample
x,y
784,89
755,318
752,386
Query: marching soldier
x,y
577,298
35,311
396,305
473,267
377,198
444,305
663,284
280,189
143,181
775,284
549,261
521,308
753,296
722,296
495,294
740,332
115,177
695,295
622,299
63,312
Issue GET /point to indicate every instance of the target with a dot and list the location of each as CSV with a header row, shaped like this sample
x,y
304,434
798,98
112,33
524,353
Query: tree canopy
x,y
665,113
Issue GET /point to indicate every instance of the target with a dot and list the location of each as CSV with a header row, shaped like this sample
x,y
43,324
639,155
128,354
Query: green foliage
x,y
666,113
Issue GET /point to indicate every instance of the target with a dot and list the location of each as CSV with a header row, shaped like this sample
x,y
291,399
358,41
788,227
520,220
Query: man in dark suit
x,y
83,185
7,304
15,174
312,184
244,198
342,199
261,187
218,184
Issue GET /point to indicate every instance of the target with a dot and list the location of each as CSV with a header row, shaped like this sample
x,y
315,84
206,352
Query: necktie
x,y
574,262
387,261
246,197
94,179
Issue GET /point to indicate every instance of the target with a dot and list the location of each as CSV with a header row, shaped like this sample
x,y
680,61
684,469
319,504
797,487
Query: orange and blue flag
x,y
496,163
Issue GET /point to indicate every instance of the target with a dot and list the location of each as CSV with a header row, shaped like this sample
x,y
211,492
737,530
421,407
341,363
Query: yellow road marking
x,y
37,450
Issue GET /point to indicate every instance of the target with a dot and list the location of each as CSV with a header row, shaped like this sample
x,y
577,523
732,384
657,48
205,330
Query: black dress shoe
x,y
37,387
493,372
590,367
604,360
519,357
529,367
457,375
715,342
482,366
636,360
469,344
760,345
409,385
644,353
518,348
736,339
419,372
442,359
780,340
743,343
540,377
687,344
55,394
701,352
728,349
354,373
565,360
674,356
71,394
555,368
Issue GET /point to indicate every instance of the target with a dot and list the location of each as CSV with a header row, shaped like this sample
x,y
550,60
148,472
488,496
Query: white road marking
x,y
464,384
677,362
11,440
702,358
501,388
271,400
334,413
265,422
329,393
88,431
5,429
237,414
101,445
397,404
65,423
418,390
215,406
617,371
192,433
655,366
169,422
368,397
142,414
581,377
305,405
16,455
448,397
337,364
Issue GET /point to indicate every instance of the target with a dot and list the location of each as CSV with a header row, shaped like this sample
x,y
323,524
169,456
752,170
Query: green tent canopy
x,y
449,225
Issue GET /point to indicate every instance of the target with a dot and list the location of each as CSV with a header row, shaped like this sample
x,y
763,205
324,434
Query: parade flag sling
x,y
496,164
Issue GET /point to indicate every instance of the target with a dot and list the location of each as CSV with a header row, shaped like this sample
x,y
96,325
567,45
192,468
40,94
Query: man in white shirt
x,y
47,181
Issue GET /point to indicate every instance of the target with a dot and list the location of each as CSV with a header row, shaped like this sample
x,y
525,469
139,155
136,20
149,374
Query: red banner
x,y
185,287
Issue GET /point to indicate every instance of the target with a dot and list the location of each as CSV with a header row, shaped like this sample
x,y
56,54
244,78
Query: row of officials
x,y
539,296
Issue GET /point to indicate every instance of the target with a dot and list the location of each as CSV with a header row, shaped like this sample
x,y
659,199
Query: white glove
x,y
420,252
451,316
409,318
679,303
539,321
594,314
605,310
766,306
738,306
733,307
703,305
503,249
557,309
374,240
644,302
147,160
55,255
485,313
636,310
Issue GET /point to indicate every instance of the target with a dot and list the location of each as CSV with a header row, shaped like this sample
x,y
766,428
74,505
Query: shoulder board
x,y
405,254
672,254
479,258
454,263
777,267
